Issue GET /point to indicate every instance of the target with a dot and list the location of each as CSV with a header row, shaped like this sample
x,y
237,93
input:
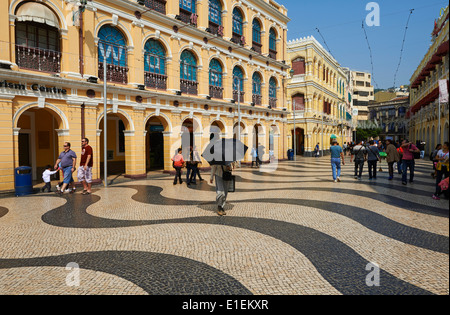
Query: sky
x,y
340,24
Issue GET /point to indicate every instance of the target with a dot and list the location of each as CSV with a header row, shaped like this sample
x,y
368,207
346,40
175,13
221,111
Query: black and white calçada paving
x,y
289,230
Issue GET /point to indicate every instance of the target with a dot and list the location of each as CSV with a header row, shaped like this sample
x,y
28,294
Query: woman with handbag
x,y
222,175
442,168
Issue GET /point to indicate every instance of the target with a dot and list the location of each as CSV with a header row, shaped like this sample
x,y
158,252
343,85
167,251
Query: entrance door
x,y
24,150
300,138
155,159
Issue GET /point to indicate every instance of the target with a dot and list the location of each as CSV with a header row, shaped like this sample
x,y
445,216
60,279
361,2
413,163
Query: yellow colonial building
x,y
175,71
317,98
424,111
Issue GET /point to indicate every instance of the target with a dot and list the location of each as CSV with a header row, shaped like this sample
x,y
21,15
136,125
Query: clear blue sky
x,y
340,24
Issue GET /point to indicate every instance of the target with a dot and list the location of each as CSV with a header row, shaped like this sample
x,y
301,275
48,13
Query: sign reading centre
x,y
34,87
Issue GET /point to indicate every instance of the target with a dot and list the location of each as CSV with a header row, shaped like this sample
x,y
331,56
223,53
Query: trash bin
x,y
24,184
290,155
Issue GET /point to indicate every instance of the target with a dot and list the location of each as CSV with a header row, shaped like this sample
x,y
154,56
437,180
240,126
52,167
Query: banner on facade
x,y
443,91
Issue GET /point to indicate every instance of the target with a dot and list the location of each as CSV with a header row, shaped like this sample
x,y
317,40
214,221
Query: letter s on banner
x,y
373,18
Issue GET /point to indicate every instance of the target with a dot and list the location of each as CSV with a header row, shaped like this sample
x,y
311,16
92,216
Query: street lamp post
x,y
294,105
322,134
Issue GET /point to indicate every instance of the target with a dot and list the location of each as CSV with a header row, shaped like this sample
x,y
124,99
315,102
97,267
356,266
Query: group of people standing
x,y
191,162
66,163
403,154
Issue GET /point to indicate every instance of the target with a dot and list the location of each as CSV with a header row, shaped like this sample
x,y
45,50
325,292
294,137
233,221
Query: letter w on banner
x,y
443,91
117,56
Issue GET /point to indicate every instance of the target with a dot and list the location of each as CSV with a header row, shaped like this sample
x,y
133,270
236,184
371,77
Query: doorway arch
x,y
40,131
119,126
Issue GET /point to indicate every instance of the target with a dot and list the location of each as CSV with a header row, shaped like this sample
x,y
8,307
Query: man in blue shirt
x,y
336,155
68,160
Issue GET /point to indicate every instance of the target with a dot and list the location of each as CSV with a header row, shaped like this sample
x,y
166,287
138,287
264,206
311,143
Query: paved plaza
x,y
288,232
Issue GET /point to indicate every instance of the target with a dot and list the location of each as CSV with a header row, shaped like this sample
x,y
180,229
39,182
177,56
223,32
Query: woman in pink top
x,y
408,161
178,163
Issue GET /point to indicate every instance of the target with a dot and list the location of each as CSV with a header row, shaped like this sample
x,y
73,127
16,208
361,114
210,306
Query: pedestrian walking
x,y
189,166
68,160
373,157
196,160
46,177
337,157
392,157
261,152
221,175
317,150
409,150
86,164
254,154
178,164
421,147
400,162
443,169
359,155
433,159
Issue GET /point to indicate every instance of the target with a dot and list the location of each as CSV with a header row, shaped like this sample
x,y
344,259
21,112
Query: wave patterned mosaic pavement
x,y
289,232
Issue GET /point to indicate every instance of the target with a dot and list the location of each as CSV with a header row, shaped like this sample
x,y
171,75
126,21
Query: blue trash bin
x,y
290,155
23,179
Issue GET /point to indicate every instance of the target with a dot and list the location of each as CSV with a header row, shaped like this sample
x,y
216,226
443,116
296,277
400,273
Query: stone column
x,y
9,143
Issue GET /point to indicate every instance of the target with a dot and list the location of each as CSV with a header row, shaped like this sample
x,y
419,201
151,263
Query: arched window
x,y
238,83
273,88
189,5
272,43
272,93
298,65
215,79
37,38
155,57
298,102
256,29
155,65
112,48
257,84
238,22
188,9
215,11
188,73
215,73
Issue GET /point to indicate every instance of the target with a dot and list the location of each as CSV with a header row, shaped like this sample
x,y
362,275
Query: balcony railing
x,y
272,54
236,98
216,91
187,17
257,47
116,74
189,87
215,29
156,5
272,102
238,39
38,59
155,80
257,99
